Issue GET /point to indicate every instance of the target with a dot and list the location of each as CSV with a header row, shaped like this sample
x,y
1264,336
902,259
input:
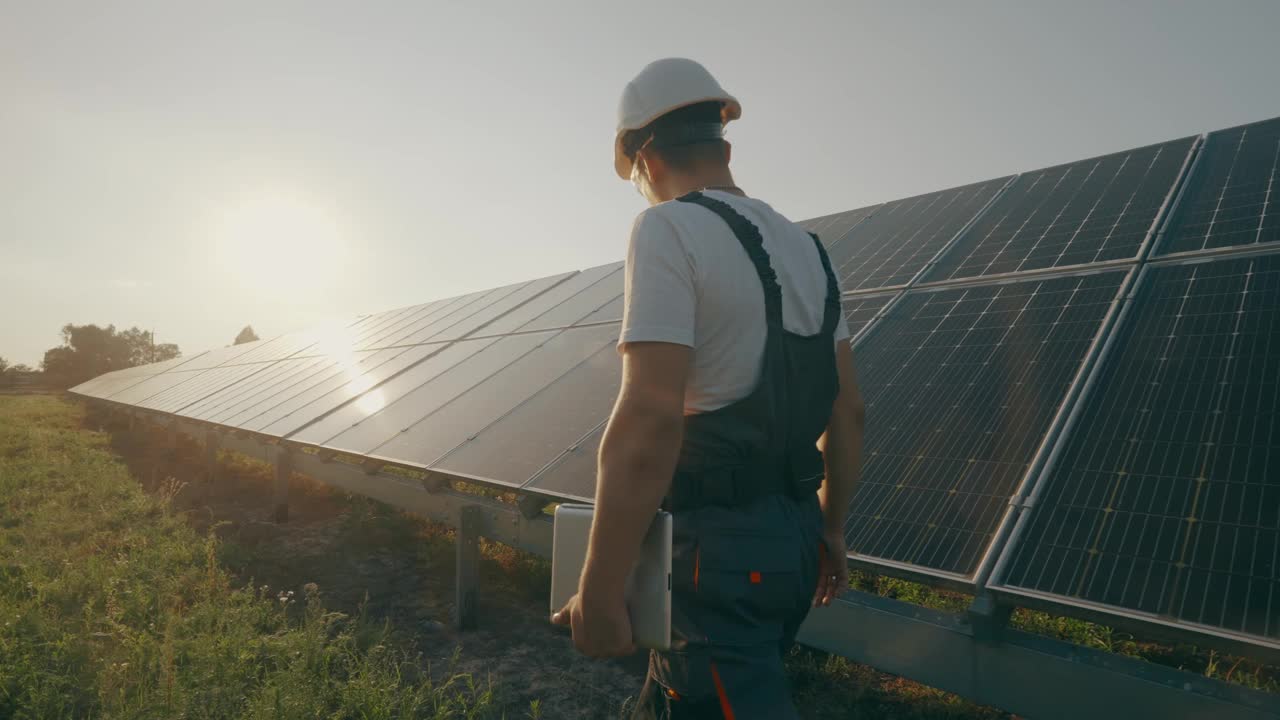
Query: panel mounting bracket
x,y
531,506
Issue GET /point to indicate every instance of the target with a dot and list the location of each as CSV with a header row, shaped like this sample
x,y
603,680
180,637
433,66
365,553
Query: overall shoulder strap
x,y
753,243
831,313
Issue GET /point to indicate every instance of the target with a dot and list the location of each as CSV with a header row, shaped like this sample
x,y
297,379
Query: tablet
x,y
648,587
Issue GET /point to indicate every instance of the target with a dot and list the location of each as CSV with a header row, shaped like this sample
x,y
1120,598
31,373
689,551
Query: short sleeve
x,y
659,304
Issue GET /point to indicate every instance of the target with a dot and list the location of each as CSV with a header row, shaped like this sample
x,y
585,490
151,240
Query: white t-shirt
x,y
690,282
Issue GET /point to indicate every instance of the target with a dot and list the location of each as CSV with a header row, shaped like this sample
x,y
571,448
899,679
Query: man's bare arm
x,y
841,447
638,456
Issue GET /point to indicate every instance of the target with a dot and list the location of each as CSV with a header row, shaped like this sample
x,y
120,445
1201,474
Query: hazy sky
x,y
195,166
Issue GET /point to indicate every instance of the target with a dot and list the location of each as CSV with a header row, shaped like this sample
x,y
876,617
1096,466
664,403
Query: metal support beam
x,y
284,470
1026,674
467,589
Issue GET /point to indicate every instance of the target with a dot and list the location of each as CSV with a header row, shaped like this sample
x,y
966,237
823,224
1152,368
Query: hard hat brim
x,y
730,110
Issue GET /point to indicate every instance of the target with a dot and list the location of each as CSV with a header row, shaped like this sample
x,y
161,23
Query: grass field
x,y
132,589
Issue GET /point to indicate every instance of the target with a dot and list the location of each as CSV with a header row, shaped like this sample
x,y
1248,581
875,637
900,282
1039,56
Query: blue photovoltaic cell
x,y
1166,497
1075,214
1234,196
961,386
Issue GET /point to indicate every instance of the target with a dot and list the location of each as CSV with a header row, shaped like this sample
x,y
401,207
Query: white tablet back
x,y
648,588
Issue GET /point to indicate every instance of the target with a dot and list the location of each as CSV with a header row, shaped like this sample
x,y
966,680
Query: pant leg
x,y
742,582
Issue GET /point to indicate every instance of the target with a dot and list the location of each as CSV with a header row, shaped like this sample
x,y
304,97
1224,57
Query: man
x,y
738,397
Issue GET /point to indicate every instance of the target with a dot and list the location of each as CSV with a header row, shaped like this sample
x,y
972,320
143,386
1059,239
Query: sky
x,y
193,167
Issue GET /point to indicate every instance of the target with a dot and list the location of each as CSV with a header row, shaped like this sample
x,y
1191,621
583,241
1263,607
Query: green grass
x,y
111,606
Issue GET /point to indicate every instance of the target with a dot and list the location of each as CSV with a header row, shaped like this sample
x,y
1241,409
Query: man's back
x,y
689,282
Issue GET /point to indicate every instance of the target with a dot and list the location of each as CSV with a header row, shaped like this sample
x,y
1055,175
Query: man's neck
x,y
718,179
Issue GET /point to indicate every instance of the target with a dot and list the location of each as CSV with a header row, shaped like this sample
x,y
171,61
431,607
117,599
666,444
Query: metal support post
x,y
466,611
211,458
988,619
284,469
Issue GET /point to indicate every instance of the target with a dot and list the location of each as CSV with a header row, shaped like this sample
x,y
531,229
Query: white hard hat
x,y
662,86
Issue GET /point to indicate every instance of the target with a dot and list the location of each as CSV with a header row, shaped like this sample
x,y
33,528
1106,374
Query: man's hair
x,y
680,137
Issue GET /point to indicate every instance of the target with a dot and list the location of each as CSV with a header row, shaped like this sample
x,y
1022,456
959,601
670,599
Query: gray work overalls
x,y
747,520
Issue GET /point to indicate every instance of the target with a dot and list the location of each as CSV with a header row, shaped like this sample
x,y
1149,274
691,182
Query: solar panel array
x,y
1047,407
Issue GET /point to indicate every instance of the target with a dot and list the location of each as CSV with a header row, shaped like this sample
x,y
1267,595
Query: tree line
x,y
88,351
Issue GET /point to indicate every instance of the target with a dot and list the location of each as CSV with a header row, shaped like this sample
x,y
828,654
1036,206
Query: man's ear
x,y
655,166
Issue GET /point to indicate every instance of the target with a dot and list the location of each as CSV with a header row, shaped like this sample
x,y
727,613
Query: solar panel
x,y
860,310
201,385
1165,497
573,475
330,372
388,408
565,303
109,384
479,323
423,328
515,447
117,381
219,356
888,248
457,323
136,390
266,386
961,386
437,432
374,331
289,344
1083,212
609,313
831,229
1233,198
361,374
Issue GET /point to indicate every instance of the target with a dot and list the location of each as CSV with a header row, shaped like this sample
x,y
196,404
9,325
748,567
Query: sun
x,y
279,245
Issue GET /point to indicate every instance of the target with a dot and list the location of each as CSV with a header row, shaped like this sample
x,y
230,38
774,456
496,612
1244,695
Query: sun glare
x,y
280,246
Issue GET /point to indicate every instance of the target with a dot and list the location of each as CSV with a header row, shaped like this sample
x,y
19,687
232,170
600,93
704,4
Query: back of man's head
x,y
688,139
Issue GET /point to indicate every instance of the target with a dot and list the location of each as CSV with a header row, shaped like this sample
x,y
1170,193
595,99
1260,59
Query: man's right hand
x,y
833,569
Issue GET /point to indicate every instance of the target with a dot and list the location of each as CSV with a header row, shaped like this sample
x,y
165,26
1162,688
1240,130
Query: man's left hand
x,y
599,630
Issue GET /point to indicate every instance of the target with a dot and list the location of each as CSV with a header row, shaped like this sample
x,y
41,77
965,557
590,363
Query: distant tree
x,y
88,351
4,365
247,335
20,368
